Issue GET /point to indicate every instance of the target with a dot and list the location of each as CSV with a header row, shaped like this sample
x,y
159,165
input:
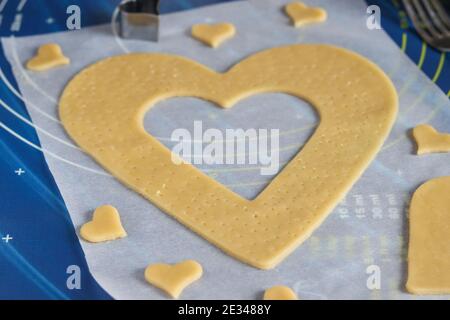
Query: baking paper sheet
x,y
366,232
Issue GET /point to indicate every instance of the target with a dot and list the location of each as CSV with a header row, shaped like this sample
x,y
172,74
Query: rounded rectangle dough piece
x,y
102,109
429,238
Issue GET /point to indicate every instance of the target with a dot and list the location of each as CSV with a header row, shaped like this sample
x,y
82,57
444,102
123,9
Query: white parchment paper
x,y
366,232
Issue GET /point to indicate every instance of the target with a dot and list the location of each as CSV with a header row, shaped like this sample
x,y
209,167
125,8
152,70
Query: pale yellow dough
x,y
173,279
48,56
429,140
301,14
105,225
280,293
213,34
103,108
429,238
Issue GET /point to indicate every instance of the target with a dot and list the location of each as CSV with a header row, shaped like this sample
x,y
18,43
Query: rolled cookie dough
x,y
48,56
301,14
213,34
103,107
280,293
429,238
104,226
428,140
173,279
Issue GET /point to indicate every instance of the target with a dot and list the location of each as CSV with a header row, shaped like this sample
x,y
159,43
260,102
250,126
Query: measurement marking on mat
x,y
17,24
3,4
19,171
22,4
7,238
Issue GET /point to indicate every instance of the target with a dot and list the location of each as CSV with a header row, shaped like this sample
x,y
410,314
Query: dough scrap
x,y
301,14
213,34
429,140
104,226
102,109
280,293
429,238
48,56
173,279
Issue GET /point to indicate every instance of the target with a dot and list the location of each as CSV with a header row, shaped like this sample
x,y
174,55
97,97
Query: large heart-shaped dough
x,y
103,108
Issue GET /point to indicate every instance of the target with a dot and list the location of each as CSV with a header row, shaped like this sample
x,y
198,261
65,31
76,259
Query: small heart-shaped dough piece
x,y
173,278
48,56
429,140
213,34
280,293
301,14
105,225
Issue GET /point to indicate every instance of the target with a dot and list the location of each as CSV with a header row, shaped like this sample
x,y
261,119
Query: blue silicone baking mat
x,y
38,245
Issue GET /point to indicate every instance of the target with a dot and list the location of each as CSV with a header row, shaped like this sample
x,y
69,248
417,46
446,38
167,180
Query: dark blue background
x,y
33,264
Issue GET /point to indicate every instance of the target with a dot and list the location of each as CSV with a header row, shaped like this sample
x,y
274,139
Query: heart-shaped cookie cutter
x,y
139,19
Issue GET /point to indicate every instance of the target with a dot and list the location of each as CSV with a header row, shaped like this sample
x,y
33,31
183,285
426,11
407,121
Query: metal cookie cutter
x,y
139,19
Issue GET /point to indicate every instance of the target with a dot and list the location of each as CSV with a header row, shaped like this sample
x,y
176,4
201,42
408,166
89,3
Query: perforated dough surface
x,y
103,107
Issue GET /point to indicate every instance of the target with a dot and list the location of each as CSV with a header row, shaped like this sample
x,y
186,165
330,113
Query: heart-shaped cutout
x,y
429,140
173,279
102,109
48,56
280,293
104,226
287,121
301,14
213,34
429,238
